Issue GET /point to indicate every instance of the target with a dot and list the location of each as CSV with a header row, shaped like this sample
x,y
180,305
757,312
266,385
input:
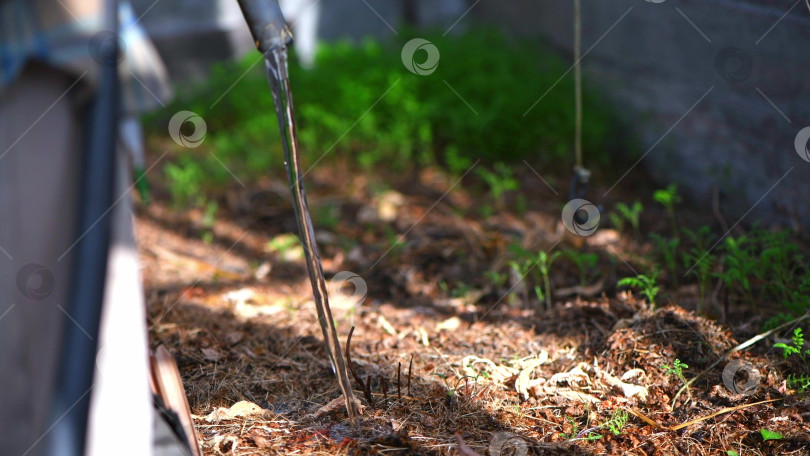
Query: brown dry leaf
x,y
451,324
524,379
628,389
242,409
338,403
463,449
260,439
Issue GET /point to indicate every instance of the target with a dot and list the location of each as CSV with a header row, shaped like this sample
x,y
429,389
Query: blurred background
x,y
712,89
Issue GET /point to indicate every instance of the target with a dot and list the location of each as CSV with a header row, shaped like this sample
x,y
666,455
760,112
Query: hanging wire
x,y
579,183
578,84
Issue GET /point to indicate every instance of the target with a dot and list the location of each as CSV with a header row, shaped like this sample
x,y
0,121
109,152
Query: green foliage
x,y
617,421
499,181
585,262
525,263
770,435
630,214
360,102
646,284
799,382
732,453
700,263
676,369
797,346
666,252
669,198
738,265
208,219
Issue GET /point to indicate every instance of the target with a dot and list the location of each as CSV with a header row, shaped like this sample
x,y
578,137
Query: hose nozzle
x,y
266,23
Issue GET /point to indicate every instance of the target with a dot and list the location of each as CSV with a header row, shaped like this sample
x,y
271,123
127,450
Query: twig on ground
x,y
367,391
654,423
410,366
349,360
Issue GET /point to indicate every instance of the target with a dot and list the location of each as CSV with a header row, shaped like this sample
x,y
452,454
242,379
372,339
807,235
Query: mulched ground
x,y
446,359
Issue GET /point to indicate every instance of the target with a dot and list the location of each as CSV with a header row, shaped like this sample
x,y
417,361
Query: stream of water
x,y
278,76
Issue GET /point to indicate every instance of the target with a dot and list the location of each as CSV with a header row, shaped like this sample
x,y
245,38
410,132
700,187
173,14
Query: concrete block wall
x,y
745,60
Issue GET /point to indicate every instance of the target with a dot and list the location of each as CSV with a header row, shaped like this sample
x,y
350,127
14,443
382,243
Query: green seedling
x,y
778,264
666,251
668,198
209,218
646,284
738,266
544,261
700,238
585,263
617,421
615,425
499,181
770,435
676,369
630,214
702,265
797,346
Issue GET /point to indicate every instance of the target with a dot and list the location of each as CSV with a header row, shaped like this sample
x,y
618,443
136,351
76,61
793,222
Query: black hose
x,y
266,24
71,400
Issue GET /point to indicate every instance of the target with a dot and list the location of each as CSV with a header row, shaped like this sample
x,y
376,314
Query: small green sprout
x,y
646,284
770,435
630,214
796,347
668,198
676,369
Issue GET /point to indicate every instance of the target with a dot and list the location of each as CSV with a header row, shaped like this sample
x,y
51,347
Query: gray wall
x,y
655,65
